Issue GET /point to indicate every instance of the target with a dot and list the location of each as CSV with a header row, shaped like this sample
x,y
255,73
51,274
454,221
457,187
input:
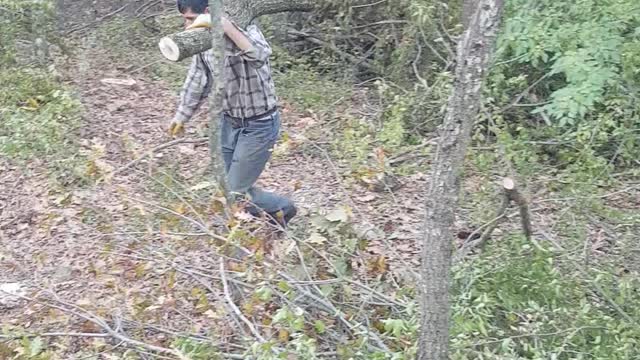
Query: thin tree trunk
x,y
60,16
474,53
468,9
215,99
185,44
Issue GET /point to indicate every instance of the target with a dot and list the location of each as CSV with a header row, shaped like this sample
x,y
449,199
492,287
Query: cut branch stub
x,y
185,44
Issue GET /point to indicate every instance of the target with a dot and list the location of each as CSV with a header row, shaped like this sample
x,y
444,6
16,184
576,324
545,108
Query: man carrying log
x,y
250,122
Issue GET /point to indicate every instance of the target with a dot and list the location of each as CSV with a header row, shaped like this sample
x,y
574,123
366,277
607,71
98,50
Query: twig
x,y
97,21
237,311
537,335
598,289
414,64
446,62
144,7
54,334
201,226
158,148
522,94
384,22
588,197
368,5
316,40
409,154
355,207
145,66
79,312
178,196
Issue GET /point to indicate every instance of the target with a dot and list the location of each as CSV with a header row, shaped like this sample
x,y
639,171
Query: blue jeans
x,y
245,151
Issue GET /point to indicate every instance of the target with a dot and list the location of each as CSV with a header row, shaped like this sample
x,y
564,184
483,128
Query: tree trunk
x,y
182,45
215,98
60,16
468,9
474,53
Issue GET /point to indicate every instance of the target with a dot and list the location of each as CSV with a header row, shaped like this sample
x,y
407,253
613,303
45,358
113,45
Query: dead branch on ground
x,y
155,149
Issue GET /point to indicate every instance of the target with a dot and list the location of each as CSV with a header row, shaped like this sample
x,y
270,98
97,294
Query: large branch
x,y
185,44
474,53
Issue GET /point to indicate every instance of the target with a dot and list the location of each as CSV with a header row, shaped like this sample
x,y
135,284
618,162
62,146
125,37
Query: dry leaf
x,y
339,214
316,238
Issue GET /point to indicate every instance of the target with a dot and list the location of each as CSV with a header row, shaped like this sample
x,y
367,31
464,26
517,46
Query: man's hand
x,y
176,128
202,21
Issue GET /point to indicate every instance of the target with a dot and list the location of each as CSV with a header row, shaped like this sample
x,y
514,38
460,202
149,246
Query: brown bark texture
x,y
468,9
216,40
242,12
473,57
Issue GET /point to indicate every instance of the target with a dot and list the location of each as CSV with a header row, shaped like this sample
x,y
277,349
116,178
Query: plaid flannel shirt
x,y
248,89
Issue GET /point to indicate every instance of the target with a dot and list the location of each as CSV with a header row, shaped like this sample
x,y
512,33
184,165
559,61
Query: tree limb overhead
x,y
185,44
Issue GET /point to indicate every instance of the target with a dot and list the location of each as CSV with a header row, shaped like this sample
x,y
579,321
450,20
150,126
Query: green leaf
x,y
36,346
264,293
319,326
316,238
281,315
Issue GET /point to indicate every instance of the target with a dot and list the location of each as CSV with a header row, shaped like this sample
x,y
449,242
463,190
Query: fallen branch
x,y
412,153
158,148
53,334
234,307
363,62
108,331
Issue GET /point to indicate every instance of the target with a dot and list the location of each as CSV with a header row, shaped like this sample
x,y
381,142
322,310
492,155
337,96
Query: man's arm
x,y
195,89
254,47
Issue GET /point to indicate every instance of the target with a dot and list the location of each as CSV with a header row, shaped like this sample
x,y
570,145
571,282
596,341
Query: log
x,y
185,44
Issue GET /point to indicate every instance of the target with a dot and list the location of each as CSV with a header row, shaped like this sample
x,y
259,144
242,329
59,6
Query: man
x,y
250,122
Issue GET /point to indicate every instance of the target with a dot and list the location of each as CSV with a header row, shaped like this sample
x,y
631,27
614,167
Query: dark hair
x,y
197,6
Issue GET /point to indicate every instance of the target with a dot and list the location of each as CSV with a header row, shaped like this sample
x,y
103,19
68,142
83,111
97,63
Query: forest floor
x,y
83,240
121,248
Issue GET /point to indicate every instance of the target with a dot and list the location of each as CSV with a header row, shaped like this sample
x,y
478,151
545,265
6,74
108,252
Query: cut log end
x,y
169,49
508,183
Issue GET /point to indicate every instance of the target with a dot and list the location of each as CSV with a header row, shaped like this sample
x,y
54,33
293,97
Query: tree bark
x,y
216,40
474,53
185,44
468,9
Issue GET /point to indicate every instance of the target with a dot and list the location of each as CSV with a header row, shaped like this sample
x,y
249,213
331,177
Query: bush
x,y
575,69
38,116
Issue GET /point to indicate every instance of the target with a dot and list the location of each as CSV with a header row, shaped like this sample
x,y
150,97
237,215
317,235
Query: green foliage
x,y
26,348
38,115
582,42
524,302
23,20
576,68
303,86
194,350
